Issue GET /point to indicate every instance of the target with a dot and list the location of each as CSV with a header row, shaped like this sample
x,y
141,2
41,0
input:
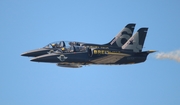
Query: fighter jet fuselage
x,y
122,49
95,57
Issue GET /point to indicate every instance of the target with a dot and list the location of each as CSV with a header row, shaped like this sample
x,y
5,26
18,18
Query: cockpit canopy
x,y
73,49
66,46
60,44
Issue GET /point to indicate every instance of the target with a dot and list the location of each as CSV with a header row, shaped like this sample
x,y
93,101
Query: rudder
x,y
121,38
136,42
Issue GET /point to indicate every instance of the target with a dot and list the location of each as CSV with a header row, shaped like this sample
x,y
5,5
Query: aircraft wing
x,y
109,59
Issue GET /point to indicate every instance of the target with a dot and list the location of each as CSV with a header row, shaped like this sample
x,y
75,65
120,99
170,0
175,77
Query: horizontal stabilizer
x,y
150,51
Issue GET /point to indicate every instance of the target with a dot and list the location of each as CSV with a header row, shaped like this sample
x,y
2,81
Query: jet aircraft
x,y
75,56
116,43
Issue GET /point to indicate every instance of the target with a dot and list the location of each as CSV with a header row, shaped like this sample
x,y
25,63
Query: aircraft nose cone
x,y
46,58
27,54
34,53
24,54
36,59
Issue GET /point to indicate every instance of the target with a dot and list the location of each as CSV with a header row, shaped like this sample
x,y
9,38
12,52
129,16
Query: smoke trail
x,y
173,55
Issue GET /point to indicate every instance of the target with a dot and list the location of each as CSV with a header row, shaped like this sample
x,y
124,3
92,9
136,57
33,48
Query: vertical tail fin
x,y
136,42
121,38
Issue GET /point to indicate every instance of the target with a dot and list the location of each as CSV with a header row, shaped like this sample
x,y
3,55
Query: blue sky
x,y
31,24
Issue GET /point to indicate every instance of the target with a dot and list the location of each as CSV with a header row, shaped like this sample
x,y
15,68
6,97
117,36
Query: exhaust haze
x,y
173,55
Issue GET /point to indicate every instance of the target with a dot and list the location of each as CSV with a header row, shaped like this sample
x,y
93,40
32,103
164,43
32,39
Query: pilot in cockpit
x,y
74,44
63,48
71,43
53,45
